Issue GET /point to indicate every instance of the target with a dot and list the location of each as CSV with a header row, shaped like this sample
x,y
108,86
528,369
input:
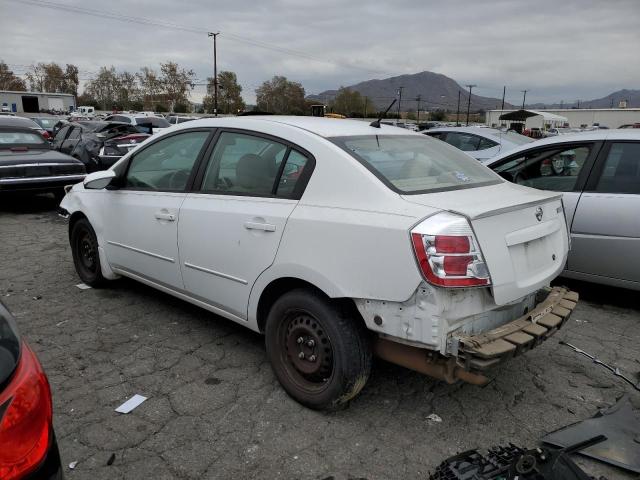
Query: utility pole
x,y
215,73
469,102
418,99
399,100
365,107
458,110
524,97
578,104
504,91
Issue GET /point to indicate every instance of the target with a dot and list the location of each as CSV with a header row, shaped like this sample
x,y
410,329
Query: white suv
x,y
337,239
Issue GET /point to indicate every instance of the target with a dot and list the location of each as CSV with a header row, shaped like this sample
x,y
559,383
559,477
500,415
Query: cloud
x,y
557,50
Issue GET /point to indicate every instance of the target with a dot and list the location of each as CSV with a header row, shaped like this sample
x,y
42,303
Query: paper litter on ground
x,y
130,404
83,286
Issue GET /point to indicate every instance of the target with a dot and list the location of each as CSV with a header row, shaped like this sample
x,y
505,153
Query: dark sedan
x,y
97,144
28,164
28,447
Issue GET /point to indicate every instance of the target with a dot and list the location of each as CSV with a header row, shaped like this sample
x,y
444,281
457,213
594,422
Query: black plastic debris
x,y
619,423
512,462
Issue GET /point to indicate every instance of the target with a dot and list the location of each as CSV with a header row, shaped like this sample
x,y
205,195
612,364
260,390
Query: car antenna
x,y
376,123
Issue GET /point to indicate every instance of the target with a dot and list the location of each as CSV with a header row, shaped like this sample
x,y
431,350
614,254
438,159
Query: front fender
x,y
79,201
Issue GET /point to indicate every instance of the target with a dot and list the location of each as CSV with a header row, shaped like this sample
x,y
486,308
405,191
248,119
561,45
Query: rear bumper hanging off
x,y
479,352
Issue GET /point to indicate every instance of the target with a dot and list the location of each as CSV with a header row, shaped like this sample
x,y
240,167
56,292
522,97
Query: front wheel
x,y
318,350
86,258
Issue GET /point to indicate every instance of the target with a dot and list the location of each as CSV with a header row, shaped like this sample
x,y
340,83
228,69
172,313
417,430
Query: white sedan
x,y
481,143
335,238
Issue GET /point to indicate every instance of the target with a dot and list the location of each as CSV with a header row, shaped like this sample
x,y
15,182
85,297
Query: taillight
x,y
46,135
25,425
448,253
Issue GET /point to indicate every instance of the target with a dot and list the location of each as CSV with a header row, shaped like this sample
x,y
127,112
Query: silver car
x,y
481,143
599,175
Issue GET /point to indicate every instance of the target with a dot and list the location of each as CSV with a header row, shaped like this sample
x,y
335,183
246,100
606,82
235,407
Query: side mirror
x,y
99,180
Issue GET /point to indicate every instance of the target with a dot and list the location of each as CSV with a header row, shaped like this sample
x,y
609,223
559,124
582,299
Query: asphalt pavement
x,y
215,409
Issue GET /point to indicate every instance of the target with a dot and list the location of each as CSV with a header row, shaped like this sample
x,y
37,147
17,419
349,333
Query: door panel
x,y
226,242
606,226
141,234
141,219
230,231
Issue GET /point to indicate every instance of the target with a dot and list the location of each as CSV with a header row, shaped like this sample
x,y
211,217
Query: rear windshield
x,y
153,121
47,122
20,138
518,139
416,163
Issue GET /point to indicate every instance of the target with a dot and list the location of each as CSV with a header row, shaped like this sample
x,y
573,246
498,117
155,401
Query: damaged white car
x,y
337,239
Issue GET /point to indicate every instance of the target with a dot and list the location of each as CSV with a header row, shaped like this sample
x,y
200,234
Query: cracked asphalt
x,y
215,409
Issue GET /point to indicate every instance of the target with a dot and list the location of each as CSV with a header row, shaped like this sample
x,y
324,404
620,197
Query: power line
x,y
191,29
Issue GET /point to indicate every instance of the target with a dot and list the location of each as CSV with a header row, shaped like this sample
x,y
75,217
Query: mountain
x,y
612,100
435,89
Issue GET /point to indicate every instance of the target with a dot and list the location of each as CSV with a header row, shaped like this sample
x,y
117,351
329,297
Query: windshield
x,y
417,164
518,139
153,121
47,122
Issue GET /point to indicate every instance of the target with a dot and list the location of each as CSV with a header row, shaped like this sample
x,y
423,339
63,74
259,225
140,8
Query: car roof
x,y
324,127
589,136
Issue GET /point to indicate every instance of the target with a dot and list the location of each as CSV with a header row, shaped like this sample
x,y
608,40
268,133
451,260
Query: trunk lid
x,y
521,231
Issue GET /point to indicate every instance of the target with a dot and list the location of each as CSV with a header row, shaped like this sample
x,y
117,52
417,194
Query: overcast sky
x,y
558,50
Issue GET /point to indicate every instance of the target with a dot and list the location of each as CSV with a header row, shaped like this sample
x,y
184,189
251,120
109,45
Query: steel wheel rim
x,y
87,252
306,351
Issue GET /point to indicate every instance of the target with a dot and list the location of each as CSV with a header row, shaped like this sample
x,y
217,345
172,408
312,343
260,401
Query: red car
x,y
28,447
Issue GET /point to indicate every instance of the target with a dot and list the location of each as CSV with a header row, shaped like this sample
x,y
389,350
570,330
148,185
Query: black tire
x,y
86,257
334,368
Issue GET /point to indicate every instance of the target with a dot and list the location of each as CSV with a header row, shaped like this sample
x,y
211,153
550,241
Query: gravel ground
x,y
215,409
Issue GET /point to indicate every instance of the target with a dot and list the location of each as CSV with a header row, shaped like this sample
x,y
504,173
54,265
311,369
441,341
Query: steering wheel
x,y
519,178
178,179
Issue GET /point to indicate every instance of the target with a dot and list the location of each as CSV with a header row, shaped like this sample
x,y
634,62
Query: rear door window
x,y
555,169
244,164
621,170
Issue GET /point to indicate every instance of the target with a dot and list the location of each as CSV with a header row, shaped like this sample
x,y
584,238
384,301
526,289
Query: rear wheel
x,y
86,258
319,352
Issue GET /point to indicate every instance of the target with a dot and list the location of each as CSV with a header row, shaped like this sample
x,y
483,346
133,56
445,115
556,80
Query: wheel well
x,y
279,287
75,216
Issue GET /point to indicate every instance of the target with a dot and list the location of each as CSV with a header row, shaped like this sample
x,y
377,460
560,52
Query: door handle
x,y
169,217
267,227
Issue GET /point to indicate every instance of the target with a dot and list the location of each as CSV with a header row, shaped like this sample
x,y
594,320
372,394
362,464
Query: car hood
x,y
35,156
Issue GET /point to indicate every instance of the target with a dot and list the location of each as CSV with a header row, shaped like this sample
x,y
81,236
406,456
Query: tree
x,y
9,81
127,91
176,83
50,77
104,88
36,76
279,95
229,94
150,86
71,80
437,116
351,103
